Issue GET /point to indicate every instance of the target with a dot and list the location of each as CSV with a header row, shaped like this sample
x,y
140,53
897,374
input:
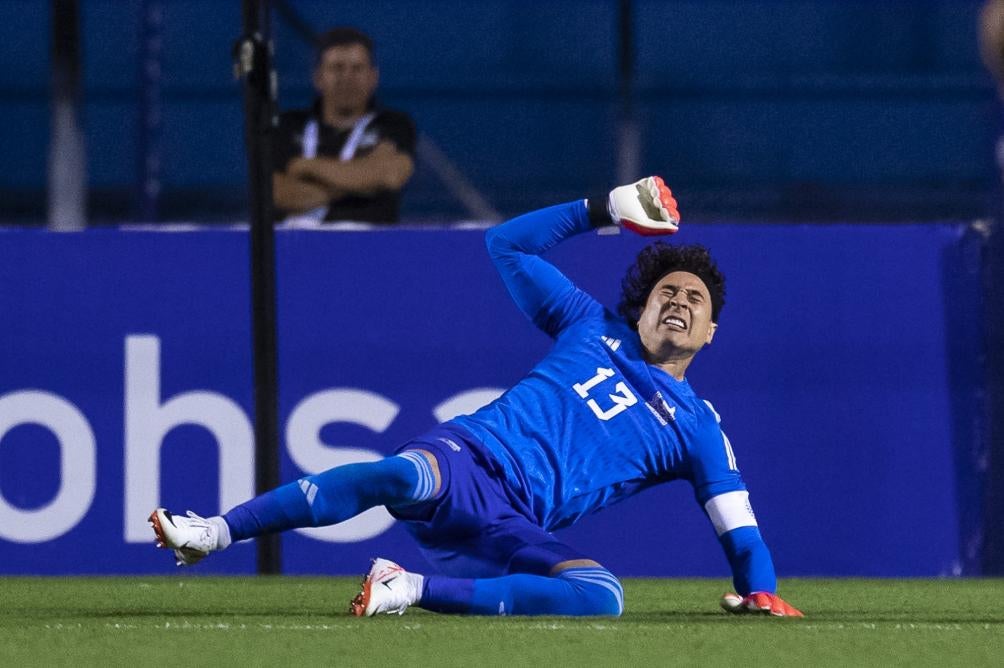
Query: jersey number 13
x,y
621,397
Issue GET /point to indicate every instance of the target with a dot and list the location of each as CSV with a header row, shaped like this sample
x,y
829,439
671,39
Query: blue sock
x,y
574,592
752,567
334,496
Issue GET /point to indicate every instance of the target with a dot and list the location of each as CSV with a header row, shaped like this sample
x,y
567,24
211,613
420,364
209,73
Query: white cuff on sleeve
x,y
730,511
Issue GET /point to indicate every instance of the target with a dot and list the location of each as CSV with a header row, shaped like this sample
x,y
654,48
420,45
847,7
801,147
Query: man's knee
x,y
429,467
600,592
426,467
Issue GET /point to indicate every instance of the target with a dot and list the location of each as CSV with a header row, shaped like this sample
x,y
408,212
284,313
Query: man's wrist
x,y
599,216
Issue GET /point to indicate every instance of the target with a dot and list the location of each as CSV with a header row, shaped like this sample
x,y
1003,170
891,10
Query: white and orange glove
x,y
760,602
645,207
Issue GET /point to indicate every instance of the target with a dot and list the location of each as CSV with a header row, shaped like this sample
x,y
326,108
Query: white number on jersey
x,y
622,397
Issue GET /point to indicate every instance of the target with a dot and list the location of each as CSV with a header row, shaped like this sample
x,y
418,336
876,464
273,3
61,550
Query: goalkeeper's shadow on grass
x,y
676,615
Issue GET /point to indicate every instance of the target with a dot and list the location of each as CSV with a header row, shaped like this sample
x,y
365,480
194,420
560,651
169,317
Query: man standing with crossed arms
x,y
346,157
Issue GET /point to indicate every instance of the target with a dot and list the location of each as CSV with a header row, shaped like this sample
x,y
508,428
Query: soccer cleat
x,y
191,538
387,589
760,602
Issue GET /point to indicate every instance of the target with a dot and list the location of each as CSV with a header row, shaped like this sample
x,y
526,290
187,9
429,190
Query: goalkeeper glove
x,y
645,207
759,602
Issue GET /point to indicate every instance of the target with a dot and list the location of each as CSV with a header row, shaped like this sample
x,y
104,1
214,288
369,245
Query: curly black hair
x,y
658,259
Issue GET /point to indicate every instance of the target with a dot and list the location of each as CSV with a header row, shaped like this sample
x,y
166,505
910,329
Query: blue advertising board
x,y
842,370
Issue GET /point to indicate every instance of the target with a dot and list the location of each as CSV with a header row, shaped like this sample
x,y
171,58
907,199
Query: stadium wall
x,y
847,369
793,109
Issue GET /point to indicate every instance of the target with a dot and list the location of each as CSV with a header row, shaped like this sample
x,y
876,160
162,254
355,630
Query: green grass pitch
x,y
294,621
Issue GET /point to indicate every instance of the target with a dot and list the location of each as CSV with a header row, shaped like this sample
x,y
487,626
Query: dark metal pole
x,y
67,154
628,139
150,110
254,66
625,53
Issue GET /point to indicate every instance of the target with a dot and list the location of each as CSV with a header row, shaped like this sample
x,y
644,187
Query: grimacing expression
x,y
676,320
346,77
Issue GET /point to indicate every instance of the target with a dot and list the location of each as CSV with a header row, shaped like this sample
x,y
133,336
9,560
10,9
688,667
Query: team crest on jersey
x,y
662,411
612,343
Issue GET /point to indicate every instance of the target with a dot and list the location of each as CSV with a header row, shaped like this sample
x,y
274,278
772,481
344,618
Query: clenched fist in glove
x,y
759,602
645,207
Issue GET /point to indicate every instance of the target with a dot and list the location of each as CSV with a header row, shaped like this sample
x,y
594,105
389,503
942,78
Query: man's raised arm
x,y
542,292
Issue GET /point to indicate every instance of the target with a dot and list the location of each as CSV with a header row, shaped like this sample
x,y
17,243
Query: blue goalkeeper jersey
x,y
593,423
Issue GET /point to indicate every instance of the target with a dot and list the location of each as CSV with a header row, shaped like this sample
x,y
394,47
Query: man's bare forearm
x,y
297,195
384,169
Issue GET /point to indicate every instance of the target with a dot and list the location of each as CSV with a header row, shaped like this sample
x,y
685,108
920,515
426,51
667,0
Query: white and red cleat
x,y
387,589
191,538
764,603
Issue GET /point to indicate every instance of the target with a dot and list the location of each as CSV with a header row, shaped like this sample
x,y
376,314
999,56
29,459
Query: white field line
x,y
533,626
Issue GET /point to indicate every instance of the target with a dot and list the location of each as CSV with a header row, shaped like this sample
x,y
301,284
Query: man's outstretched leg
x,y
326,498
506,564
573,588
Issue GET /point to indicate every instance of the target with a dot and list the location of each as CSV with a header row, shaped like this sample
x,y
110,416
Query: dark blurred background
x,y
757,110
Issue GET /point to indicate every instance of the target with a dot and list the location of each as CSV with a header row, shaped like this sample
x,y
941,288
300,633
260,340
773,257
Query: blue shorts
x,y
475,527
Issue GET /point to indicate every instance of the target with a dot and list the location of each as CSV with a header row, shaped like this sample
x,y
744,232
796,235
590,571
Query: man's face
x,y
346,77
676,320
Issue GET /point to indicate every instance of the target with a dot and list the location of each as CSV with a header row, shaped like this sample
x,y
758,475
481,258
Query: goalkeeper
x,y
607,414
